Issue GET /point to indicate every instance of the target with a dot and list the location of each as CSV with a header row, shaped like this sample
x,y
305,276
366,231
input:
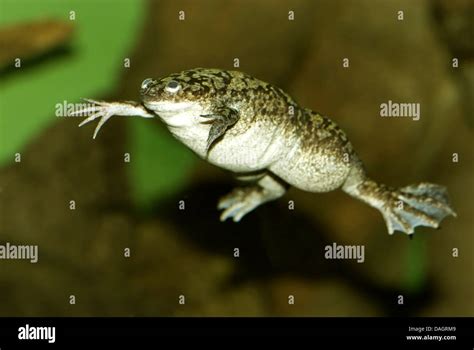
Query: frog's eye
x,y
146,83
173,86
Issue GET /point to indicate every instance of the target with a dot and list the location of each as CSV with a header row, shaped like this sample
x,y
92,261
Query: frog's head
x,y
180,99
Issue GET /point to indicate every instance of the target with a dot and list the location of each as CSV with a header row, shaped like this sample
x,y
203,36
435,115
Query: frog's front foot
x,y
94,110
105,110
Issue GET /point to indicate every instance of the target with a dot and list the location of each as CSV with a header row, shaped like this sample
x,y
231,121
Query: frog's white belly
x,y
254,149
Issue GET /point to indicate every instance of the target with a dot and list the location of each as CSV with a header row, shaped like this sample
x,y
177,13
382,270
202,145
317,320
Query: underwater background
x,y
127,248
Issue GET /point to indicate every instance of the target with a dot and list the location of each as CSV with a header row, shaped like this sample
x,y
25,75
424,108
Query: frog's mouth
x,y
175,114
167,107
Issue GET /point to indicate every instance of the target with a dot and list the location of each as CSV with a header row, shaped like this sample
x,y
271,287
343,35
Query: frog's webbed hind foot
x,y
405,208
417,205
243,200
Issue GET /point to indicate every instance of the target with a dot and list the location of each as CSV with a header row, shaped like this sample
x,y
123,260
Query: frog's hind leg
x,y
243,200
405,208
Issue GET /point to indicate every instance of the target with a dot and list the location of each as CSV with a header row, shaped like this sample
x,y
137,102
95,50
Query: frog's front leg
x,y
243,200
221,119
105,110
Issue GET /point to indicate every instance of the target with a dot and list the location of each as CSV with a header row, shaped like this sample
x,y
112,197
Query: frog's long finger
x,y
101,122
91,118
86,110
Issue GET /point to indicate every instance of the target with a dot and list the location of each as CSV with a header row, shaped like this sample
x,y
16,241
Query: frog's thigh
x,y
313,172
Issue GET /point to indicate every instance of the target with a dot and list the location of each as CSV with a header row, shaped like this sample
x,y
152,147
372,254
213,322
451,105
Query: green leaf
x,y
159,164
104,34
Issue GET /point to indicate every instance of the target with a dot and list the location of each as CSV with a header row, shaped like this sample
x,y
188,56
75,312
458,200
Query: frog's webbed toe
x,y
406,208
240,202
419,205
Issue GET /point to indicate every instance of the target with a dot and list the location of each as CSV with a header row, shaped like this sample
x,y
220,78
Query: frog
x,y
268,141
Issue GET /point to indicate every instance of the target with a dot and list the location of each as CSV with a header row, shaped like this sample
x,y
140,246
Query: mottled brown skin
x,y
259,132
